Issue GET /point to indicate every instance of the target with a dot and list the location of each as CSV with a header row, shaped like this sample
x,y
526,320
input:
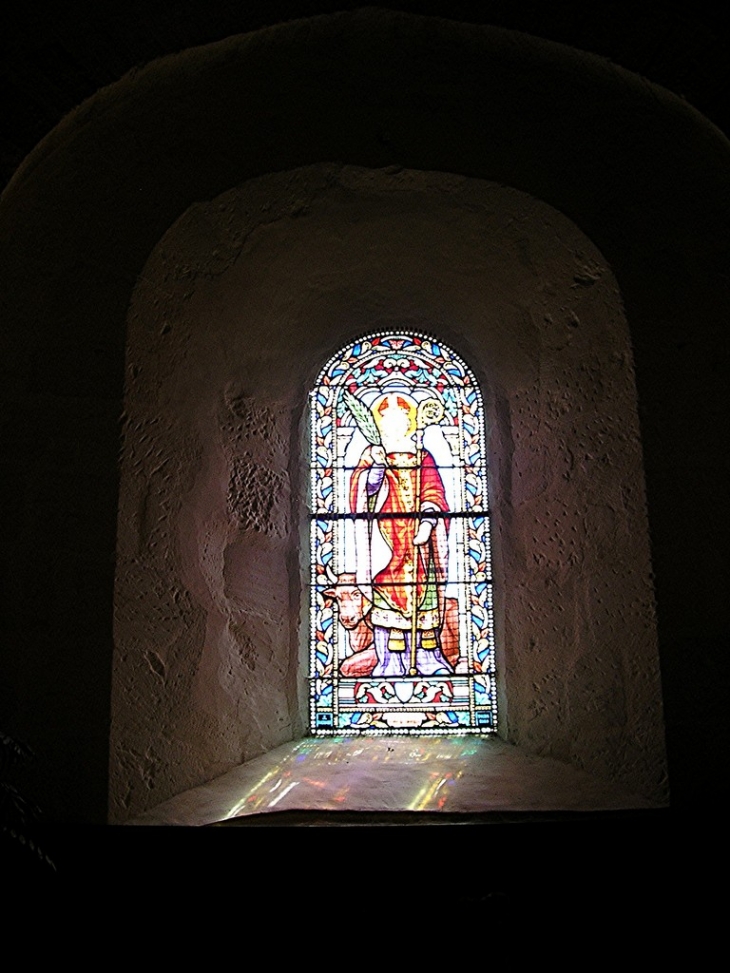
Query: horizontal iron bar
x,y
409,584
405,515
446,675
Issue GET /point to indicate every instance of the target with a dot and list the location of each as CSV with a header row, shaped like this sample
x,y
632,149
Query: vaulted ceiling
x,y
53,56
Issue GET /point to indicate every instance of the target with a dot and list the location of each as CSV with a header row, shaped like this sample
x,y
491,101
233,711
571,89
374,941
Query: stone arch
x,y
640,172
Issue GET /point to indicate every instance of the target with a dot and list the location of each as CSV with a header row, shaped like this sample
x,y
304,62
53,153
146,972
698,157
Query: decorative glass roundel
x,y
401,586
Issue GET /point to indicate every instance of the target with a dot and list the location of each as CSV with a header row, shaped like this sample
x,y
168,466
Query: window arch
x,y
401,632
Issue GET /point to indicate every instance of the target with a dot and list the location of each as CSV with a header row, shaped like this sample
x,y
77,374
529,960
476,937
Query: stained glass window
x,y
401,586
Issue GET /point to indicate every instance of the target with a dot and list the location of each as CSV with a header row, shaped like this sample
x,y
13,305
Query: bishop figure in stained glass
x,y
401,549
401,632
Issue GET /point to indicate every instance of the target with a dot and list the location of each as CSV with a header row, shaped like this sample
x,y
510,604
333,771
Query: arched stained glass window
x,y
401,586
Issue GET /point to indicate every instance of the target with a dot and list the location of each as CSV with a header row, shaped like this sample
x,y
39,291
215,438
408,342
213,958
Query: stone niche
x,y
239,306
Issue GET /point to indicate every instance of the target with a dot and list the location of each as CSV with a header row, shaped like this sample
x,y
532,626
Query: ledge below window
x,y
381,776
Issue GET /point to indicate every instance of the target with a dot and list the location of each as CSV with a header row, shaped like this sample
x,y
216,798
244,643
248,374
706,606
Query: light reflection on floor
x,y
316,764
462,775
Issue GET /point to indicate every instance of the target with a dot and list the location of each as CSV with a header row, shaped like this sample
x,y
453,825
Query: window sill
x,y
421,776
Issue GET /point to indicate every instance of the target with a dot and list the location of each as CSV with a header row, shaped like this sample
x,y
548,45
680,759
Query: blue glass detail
x,y
478,619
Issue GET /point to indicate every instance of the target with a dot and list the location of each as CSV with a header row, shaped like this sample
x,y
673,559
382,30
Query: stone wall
x,y
236,311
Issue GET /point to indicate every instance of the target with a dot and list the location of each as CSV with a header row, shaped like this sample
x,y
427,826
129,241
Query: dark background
x,y
55,55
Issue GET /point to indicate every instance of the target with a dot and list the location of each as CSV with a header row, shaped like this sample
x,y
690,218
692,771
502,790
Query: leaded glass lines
x,y
401,589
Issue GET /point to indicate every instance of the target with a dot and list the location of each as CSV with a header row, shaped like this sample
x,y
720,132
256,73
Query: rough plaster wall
x,y
237,309
202,605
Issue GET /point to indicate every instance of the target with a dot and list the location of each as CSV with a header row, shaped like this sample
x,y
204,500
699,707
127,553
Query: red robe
x,y
391,582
